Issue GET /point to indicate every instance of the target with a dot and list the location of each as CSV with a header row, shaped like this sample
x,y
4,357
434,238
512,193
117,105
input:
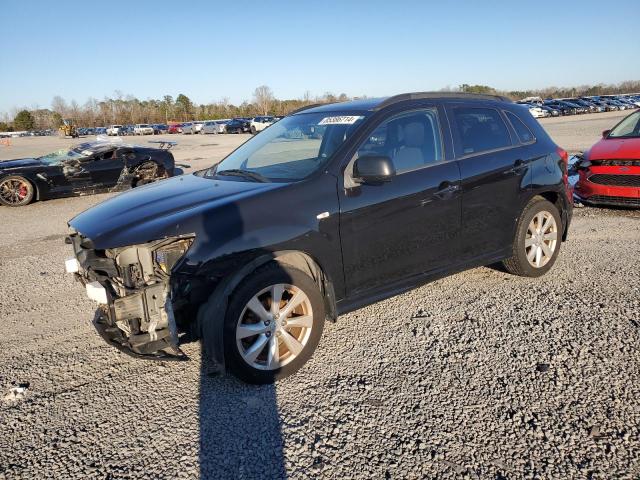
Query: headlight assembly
x,y
168,255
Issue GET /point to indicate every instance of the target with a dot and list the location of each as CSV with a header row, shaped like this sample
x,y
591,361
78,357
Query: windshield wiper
x,y
237,172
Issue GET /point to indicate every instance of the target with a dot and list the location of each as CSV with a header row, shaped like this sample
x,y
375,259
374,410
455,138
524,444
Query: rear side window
x,y
523,132
481,129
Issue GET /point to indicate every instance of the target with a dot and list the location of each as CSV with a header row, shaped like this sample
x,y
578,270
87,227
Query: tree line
x,y
126,109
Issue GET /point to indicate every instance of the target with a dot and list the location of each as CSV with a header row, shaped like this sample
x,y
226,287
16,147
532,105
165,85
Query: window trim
x,y
508,115
349,166
458,138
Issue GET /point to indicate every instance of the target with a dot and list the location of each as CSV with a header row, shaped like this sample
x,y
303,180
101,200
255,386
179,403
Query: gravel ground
x,y
479,375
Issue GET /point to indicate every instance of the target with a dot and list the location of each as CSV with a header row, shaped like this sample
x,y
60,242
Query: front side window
x,y
481,129
523,132
627,128
411,140
291,149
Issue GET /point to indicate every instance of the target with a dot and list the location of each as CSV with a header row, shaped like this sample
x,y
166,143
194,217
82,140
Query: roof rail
x,y
423,95
306,107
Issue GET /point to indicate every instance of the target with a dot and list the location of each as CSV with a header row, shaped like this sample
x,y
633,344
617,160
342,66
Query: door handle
x,y
518,166
446,189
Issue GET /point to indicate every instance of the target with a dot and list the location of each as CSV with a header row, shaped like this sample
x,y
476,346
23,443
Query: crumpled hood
x,y
615,148
19,163
167,208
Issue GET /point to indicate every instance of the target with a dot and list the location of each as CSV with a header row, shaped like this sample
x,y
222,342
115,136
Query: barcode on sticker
x,y
341,120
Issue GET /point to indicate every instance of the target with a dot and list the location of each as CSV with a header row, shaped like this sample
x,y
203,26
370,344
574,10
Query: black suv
x,y
332,208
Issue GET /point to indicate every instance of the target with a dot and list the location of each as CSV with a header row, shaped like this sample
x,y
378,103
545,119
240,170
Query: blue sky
x,y
210,50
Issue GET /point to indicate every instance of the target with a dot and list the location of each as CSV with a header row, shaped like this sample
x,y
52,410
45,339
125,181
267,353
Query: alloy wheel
x,y
14,191
274,327
541,239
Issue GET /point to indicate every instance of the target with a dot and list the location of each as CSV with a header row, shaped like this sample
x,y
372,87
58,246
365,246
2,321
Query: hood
x,y
615,148
19,163
163,209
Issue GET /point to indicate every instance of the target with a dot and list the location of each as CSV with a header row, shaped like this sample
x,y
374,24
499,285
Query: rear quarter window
x,y
524,134
481,129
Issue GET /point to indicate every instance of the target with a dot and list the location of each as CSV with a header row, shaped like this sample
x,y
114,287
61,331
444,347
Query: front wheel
x,y
273,324
537,241
15,191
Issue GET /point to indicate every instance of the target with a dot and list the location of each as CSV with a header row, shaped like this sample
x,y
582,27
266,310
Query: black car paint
x,y
237,125
369,242
105,170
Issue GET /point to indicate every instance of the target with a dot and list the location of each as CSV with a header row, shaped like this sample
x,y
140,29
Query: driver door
x,y
410,225
105,168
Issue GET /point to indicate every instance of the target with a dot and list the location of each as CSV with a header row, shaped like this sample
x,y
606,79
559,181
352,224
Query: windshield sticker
x,y
342,120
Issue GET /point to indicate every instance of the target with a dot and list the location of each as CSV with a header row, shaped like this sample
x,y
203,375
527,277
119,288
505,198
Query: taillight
x,y
565,158
565,173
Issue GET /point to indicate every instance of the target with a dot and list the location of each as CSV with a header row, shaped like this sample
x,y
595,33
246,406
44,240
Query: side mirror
x,y
605,133
373,169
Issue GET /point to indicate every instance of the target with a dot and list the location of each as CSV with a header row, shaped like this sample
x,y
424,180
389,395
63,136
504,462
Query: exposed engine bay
x,y
133,287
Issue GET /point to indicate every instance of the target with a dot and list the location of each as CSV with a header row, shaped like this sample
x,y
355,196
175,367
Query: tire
x,y
311,310
159,173
253,130
534,230
16,191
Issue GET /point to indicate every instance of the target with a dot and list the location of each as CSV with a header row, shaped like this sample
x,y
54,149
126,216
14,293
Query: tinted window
x,y
523,132
411,140
481,129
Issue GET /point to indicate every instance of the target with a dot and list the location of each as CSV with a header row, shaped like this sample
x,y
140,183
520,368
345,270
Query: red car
x,y
610,170
175,128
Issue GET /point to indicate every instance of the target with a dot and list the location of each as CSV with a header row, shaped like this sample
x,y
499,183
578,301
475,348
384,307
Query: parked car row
x,y
554,107
30,133
224,125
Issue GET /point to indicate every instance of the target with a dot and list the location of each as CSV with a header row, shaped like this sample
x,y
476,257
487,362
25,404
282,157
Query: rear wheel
x,y
148,173
253,130
273,324
16,191
538,238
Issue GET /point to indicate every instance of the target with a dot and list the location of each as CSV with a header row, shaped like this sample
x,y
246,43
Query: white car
x,y
142,129
214,126
210,126
260,123
538,112
197,127
113,130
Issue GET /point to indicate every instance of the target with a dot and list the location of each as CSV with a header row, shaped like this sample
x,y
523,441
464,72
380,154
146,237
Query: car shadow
x,y
240,426
240,434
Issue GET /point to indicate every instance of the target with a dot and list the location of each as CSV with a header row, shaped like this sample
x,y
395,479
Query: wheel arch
x,y
559,201
209,325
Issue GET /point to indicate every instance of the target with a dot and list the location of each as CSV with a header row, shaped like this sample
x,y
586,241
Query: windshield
x,y
627,128
60,156
292,148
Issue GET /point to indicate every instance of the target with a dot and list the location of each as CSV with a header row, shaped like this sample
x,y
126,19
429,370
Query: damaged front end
x,y
133,288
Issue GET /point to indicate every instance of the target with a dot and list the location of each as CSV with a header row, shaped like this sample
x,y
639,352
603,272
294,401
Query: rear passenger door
x,y
495,175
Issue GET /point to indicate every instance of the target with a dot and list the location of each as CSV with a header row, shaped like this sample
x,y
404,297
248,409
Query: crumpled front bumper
x,y
139,322
159,341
